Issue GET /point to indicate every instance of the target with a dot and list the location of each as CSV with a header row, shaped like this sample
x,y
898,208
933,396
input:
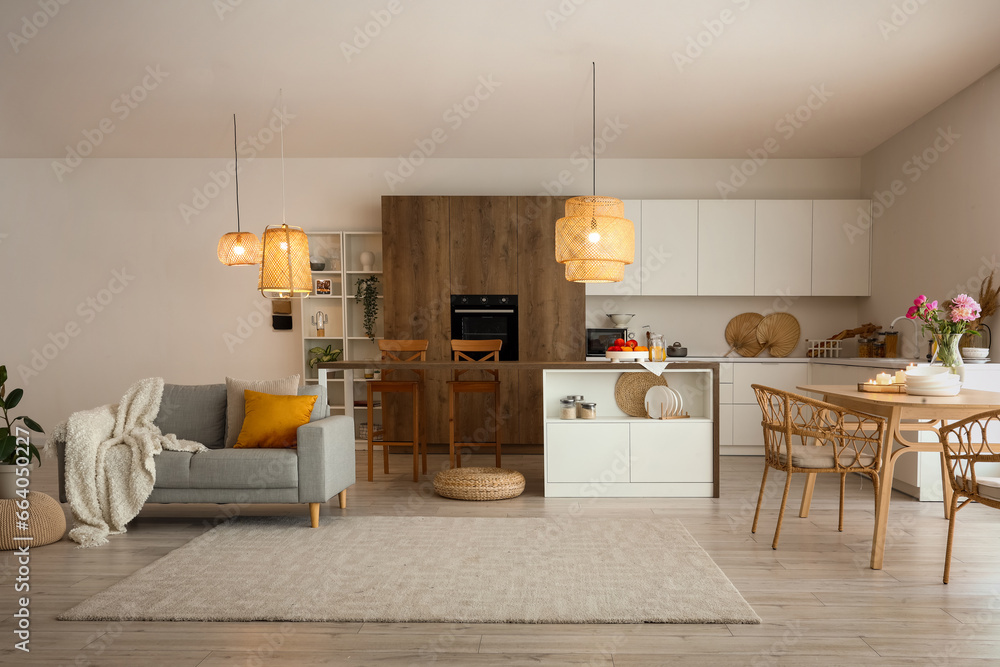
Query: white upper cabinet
x,y
726,247
632,283
783,256
841,244
669,247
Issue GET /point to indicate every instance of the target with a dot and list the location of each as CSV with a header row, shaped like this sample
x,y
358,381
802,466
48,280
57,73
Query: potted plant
x,y
322,355
9,450
368,295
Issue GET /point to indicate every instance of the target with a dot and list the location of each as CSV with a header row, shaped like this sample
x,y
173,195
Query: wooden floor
x,y
820,603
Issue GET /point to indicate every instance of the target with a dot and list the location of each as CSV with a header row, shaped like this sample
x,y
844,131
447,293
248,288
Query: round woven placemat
x,y
630,391
779,334
741,334
479,483
46,522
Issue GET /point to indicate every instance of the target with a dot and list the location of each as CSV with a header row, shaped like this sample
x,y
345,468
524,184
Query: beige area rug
x,y
430,569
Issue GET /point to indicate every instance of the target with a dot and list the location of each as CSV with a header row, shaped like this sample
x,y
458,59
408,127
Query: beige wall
x,y
174,311
939,233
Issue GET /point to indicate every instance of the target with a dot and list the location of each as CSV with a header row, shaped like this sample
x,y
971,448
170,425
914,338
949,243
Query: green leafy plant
x,y
368,294
8,439
323,355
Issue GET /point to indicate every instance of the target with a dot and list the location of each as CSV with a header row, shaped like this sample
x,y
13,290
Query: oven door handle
x,y
463,311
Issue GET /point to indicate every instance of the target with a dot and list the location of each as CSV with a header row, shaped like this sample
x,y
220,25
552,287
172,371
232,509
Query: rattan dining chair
x,y
805,435
966,443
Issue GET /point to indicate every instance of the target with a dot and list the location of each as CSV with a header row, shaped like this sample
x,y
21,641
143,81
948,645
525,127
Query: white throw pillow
x,y
236,407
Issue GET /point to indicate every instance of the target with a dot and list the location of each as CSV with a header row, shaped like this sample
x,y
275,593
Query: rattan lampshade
x,y
595,240
284,268
239,249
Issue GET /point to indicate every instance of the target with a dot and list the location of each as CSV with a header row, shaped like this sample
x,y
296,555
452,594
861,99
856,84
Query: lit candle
x,y
871,382
900,377
883,378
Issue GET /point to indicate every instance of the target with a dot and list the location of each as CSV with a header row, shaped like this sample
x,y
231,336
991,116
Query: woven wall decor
x,y
46,522
778,333
741,334
630,391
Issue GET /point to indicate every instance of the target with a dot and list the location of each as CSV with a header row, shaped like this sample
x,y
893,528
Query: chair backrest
x,y
789,419
477,350
966,443
402,350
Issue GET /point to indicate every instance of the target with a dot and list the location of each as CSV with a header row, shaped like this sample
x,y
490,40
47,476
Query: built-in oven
x,y
486,317
599,340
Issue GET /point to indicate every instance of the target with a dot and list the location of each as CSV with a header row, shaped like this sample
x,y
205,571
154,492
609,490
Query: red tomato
x,y
619,342
632,343
615,348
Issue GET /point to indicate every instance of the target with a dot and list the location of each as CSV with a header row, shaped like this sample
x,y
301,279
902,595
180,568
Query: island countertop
x,y
515,365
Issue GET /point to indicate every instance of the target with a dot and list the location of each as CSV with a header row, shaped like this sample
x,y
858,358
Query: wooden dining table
x,y
920,413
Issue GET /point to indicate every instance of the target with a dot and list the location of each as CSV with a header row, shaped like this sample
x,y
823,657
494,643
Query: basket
x,y
479,483
363,432
823,348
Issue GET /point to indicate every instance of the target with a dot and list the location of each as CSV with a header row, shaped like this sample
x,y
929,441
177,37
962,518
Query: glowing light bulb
x,y
239,250
284,246
593,237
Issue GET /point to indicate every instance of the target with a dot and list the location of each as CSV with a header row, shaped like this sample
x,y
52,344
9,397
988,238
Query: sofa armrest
x,y
326,458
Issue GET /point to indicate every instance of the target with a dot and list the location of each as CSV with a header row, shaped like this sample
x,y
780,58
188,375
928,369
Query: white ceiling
x,y
431,55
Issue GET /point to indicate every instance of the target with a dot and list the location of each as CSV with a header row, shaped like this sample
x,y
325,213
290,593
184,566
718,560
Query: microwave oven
x,y
599,340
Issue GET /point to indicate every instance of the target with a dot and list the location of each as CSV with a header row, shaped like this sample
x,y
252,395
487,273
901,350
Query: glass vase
x,y
947,352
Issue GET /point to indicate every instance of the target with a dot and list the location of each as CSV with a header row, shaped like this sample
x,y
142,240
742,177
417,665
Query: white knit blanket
x,y
109,461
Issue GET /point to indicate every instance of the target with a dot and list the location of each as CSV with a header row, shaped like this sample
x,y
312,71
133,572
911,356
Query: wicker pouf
x,y
479,483
46,522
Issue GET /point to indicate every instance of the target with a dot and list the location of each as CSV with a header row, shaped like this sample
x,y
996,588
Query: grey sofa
x,y
320,467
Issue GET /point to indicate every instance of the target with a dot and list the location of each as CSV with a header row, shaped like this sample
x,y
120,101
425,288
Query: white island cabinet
x,y
617,455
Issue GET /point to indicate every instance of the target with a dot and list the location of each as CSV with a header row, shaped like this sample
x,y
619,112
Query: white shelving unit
x,y
345,328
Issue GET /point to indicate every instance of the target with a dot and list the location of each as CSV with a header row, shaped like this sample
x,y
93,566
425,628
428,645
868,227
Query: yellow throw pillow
x,y
271,421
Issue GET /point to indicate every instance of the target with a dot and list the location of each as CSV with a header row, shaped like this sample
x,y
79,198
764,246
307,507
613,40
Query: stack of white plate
x,y
932,381
662,401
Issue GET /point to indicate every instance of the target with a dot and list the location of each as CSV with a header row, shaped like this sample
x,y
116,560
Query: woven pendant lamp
x,y
284,267
238,248
595,240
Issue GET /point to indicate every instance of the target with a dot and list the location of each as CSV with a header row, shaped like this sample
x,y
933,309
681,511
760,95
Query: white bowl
x,y
944,378
923,371
946,391
975,352
626,356
934,385
621,319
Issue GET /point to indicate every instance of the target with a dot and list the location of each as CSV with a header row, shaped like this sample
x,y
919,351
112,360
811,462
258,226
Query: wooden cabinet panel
x,y
551,318
483,245
669,247
783,256
841,254
725,247
418,301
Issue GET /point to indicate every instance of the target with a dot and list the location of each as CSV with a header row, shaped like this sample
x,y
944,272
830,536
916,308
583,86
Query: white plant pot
x,y
8,481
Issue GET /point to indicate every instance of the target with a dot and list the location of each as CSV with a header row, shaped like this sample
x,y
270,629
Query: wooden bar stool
x,y
397,350
473,350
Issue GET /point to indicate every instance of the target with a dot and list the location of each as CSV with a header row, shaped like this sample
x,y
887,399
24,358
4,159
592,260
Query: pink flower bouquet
x,y
953,318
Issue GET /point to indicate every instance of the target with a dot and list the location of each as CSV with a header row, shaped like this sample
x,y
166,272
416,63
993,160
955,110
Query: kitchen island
x,y
614,454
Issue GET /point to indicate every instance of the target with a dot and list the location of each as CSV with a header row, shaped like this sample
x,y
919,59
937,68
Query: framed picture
x,y
323,286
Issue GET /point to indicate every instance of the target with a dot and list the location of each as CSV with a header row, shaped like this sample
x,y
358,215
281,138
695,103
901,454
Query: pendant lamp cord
x,y
281,103
593,141
236,168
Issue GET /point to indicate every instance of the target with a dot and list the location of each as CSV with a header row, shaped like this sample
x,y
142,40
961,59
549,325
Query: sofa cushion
x,y
272,421
173,470
244,469
236,406
194,412
320,410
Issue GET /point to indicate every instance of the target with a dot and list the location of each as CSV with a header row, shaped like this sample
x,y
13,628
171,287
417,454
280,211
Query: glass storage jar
x,y
587,410
567,408
891,344
866,347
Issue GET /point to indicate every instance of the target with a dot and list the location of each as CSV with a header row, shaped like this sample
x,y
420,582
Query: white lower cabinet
x,y
746,437
672,458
